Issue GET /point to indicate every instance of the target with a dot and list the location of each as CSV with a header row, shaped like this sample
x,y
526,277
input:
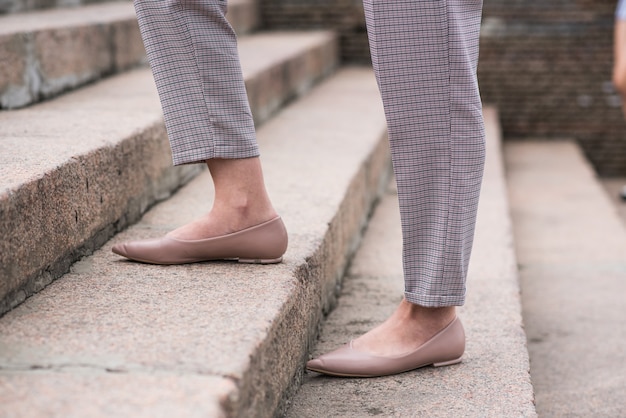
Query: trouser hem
x,y
434,301
200,155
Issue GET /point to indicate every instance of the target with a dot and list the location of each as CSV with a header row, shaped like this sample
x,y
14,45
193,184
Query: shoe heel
x,y
447,363
260,261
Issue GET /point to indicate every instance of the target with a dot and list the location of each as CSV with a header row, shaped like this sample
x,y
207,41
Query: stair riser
x,y
238,334
270,89
265,389
17,6
41,60
123,181
75,209
48,62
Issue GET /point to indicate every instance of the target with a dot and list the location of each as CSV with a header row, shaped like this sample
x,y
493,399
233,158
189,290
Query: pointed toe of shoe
x,y
343,361
120,249
147,251
153,251
315,364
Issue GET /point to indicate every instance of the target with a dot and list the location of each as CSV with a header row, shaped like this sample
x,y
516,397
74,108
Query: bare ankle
x,y
426,312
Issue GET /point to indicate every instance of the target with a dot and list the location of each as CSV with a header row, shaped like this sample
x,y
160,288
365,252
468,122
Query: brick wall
x,y
345,16
550,10
16,6
545,63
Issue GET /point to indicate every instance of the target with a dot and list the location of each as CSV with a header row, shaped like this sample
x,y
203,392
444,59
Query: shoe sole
x,y
239,260
439,364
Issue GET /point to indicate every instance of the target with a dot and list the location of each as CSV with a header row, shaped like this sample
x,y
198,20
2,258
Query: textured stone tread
x,y
225,338
571,246
90,162
492,380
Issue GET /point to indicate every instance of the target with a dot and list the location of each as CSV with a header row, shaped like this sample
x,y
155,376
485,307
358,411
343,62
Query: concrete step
x,y
571,246
77,169
492,380
117,338
17,6
45,53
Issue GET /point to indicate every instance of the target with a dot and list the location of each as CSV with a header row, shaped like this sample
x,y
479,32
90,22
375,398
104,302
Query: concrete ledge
x,y
45,53
270,86
209,339
571,247
492,380
78,169
18,6
292,72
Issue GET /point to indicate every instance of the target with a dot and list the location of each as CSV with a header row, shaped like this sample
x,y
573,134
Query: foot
x,y
376,357
264,243
242,225
241,201
405,330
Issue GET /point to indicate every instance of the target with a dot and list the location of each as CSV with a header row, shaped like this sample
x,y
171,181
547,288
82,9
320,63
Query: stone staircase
x,y
571,247
492,380
81,167
98,157
47,52
85,163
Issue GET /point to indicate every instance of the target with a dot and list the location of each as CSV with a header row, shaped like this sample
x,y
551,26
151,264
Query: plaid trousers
x,y
192,50
424,53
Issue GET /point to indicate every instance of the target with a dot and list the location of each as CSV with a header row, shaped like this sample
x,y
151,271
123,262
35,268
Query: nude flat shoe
x,y
443,349
264,243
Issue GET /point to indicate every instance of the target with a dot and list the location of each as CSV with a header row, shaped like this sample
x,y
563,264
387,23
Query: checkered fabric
x,y
192,51
425,54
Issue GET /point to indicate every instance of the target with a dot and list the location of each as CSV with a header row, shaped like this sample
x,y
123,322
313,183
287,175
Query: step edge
x,y
35,77
510,280
39,279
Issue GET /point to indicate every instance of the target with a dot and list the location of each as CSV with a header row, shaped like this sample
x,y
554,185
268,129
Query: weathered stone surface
x,y
492,380
571,247
270,86
96,393
69,57
616,189
14,75
98,158
92,163
244,327
125,53
65,48
45,53
244,15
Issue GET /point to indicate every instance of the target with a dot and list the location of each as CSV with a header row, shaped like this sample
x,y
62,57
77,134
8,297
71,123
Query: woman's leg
x,y
425,55
192,51
240,200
